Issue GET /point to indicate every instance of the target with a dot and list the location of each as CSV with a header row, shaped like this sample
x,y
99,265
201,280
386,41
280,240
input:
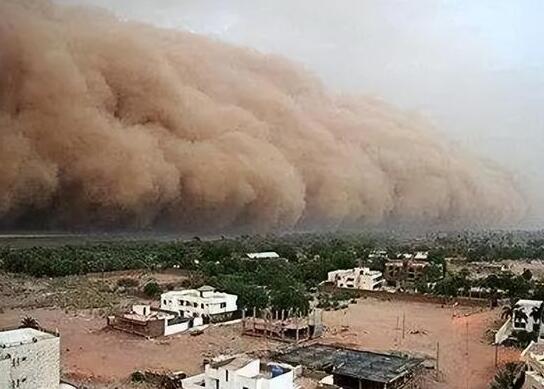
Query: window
x,y
195,305
202,305
223,305
227,375
216,384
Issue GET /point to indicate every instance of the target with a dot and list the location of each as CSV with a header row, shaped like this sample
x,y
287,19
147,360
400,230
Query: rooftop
x,y
263,255
22,336
365,365
196,293
233,363
529,303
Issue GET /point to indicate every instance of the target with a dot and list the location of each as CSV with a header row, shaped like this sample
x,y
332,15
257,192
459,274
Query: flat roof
x,y
21,336
262,255
364,365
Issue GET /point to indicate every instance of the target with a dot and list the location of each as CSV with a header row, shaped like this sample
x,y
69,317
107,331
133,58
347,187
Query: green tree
x,y
152,289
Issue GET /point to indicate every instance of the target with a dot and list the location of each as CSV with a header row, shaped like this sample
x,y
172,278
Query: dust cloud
x,y
115,124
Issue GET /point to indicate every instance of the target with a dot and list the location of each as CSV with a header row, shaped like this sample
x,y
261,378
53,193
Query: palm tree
x,y
508,310
29,322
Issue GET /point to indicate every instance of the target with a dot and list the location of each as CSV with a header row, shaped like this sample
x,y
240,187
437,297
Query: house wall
x,y
34,365
175,328
192,304
246,377
358,278
150,328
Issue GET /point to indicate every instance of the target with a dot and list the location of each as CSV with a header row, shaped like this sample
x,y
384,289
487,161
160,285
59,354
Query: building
x,y
149,322
30,359
399,272
280,327
358,278
533,356
421,256
242,373
355,369
263,255
202,305
526,315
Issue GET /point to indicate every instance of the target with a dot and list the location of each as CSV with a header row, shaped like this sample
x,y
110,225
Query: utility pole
x,y
437,358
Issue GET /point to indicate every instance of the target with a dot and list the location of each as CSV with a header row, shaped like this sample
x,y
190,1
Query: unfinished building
x,y
283,327
355,369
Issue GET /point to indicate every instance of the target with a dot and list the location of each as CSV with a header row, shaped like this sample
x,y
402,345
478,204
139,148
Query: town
x,y
333,311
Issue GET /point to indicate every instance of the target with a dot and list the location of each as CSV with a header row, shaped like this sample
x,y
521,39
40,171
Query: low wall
x,y
415,297
504,332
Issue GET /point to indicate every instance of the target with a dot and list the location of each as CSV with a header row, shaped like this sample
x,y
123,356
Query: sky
x,y
475,69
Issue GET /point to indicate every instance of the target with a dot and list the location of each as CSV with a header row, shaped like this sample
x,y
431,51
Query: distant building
x,y
201,305
377,254
242,373
263,255
399,272
358,278
533,356
421,256
149,322
29,359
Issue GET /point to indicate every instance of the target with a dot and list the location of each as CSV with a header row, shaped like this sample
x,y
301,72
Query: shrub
x,y
152,289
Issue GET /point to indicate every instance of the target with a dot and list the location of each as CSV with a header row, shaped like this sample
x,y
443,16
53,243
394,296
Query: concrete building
x,y
527,315
356,369
242,373
149,322
201,305
263,255
29,359
358,278
279,326
399,272
533,356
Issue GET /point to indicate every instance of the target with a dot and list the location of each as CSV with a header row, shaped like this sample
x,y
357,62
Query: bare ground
x,y
466,359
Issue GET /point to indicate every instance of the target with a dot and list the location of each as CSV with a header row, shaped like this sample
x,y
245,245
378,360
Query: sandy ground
x,y
106,358
92,354
466,359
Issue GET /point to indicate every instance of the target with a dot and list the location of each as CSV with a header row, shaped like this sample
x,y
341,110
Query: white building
x,y
203,303
421,255
525,317
533,356
242,373
29,359
263,255
358,278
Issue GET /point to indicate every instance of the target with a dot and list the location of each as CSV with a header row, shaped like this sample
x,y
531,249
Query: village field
x,y
460,337
92,354
103,358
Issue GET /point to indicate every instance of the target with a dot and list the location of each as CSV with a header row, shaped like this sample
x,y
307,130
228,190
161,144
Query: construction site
x,y
348,368
283,326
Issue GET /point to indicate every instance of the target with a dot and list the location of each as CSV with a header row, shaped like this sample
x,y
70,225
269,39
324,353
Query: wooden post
x,y
437,357
403,324
243,320
496,354
254,319
297,334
